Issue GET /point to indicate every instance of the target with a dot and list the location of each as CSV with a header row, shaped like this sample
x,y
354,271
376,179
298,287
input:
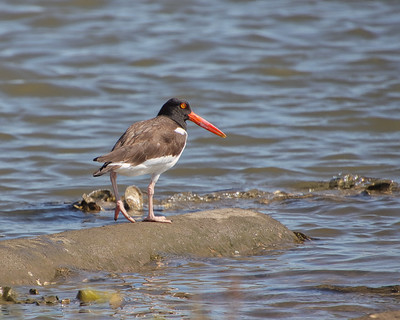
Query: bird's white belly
x,y
151,166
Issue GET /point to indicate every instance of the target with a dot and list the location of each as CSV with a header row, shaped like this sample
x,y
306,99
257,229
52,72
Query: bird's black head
x,y
179,111
176,109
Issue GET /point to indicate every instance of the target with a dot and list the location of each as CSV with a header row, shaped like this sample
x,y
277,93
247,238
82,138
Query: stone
x,y
127,247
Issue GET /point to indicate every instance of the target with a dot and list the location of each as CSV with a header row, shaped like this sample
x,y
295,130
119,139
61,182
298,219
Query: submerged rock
x,y
393,291
214,196
8,294
343,184
385,290
49,300
389,315
86,296
34,291
360,183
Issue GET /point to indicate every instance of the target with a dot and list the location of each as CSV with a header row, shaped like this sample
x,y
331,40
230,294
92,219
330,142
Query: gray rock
x,y
128,247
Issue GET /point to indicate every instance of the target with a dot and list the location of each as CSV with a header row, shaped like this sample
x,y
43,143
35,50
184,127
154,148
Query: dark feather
x,y
142,141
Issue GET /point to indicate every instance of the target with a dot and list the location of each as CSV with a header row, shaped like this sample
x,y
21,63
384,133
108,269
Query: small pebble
x,y
33,291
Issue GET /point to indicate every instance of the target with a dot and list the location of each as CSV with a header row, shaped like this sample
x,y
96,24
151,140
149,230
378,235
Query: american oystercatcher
x,y
151,147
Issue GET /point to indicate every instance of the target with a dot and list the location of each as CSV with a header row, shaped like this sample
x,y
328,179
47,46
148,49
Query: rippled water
x,y
305,91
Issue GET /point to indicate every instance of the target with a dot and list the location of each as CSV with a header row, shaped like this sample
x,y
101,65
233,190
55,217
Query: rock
x,y
103,199
133,198
381,186
116,301
390,315
128,247
392,291
346,181
384,290
8,294
95,201
33,291
183,198
303,237
368,184
279,196
86,206
86,296
50,300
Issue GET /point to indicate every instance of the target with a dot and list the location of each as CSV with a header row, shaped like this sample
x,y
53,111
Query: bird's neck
x,y
179,120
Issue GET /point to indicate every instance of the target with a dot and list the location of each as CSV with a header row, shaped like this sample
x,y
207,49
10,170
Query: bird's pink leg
x,y
120,205
150,190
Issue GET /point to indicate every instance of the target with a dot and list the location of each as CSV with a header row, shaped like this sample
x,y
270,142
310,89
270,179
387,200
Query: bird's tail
x,y
104,168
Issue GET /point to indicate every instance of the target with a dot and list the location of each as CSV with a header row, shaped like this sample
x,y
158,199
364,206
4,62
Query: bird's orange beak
x,y
205,124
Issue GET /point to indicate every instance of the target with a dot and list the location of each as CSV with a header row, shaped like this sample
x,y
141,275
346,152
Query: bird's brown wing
x,y
142,141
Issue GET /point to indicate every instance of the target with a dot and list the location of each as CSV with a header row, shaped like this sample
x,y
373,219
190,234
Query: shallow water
x,y
305,91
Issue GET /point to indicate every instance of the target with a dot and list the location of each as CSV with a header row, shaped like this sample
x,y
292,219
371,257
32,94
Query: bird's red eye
x,y
183,105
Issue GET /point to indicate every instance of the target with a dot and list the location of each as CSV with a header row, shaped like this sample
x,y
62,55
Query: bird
x,y
151,147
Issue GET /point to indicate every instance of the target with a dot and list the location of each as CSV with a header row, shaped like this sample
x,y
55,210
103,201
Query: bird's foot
x,y
121,208
157,219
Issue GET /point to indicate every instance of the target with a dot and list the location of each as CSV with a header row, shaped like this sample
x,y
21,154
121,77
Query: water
x,y
304,90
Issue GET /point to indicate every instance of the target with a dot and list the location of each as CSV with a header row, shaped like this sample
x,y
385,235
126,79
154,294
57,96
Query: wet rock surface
x,y
390,315
103,199
88,296
84,296
127,247
366,184
385,290
95,201
8,294
133,198
337,188
392,291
